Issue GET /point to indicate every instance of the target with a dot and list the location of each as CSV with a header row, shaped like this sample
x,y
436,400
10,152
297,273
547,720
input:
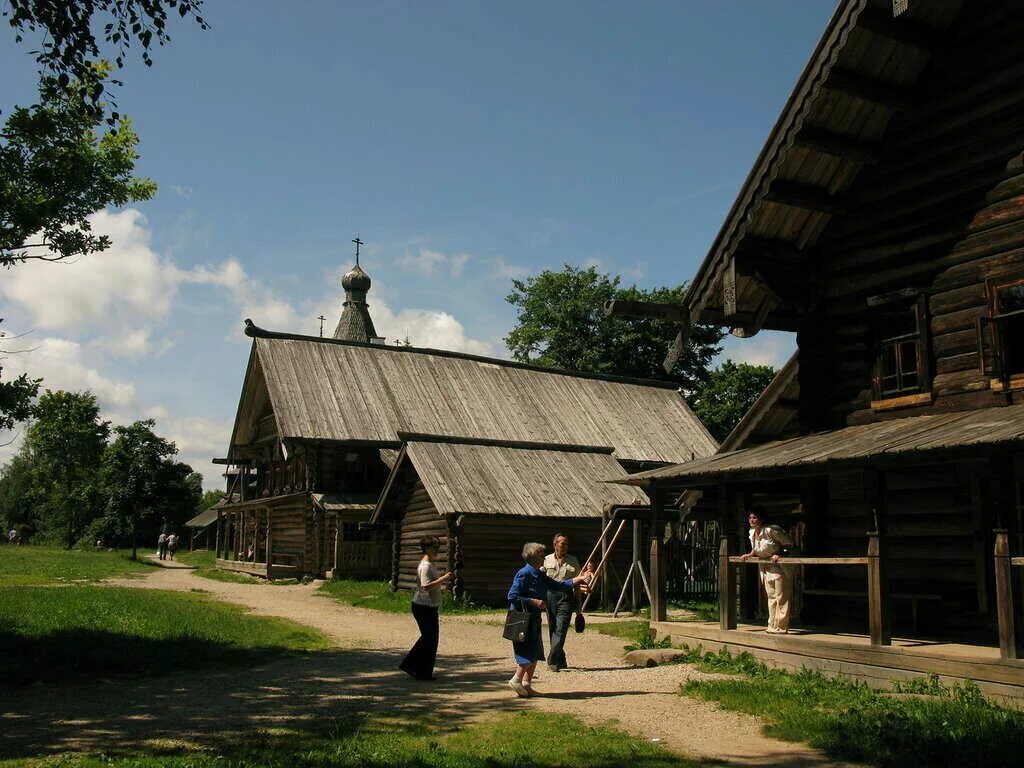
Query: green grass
x,y
521,740
235,577
55,565
627,630
201,558
957,727
378,596
703,610
60,633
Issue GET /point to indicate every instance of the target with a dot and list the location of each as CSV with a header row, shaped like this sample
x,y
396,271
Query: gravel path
x,y
361,675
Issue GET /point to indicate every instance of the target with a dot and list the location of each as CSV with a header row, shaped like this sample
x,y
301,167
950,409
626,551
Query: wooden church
x,y
882,224
486,453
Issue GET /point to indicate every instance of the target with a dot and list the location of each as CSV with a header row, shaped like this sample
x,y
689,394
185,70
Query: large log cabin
x,y
883,225
322,424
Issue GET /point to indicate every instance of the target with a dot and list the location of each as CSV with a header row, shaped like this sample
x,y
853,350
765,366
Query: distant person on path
x,y
426,601
172,545
560,565
161,546
528,592
767,543
13,537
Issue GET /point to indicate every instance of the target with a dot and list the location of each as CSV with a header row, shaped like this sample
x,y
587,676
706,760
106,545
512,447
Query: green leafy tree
x,y
16,504
210,498
56,169
66,441
728,394
134,472
561,324
69,46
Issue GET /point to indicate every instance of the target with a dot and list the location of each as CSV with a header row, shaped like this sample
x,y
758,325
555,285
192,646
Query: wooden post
x,y
878,592
339,539
1004,596
659,608
270,544
727,576
726,587
635,581
217,536
605,597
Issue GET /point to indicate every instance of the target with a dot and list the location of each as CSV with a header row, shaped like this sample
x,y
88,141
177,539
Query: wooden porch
x,y
853,655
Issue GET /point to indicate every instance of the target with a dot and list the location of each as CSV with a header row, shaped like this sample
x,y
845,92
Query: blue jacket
x,y
531,582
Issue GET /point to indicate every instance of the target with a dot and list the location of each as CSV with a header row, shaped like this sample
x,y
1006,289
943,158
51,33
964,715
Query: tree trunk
x,y
135,538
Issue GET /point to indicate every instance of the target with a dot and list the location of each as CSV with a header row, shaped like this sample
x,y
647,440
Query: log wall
x,y
942,211
420,519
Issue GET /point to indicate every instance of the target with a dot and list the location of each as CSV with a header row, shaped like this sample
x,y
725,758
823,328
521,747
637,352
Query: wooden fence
x,y
691,562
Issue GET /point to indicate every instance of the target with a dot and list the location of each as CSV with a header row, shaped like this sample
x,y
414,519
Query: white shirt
x,y
427,572
764,546
560,570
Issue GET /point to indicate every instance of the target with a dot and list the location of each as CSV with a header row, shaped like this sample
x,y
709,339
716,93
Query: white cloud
x,y
428,263
426,328
766,348
123,286
503,270
60,364
182,191
134,344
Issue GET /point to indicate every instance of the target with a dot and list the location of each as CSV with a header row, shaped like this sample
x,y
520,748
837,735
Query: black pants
x,y
419,662
560,608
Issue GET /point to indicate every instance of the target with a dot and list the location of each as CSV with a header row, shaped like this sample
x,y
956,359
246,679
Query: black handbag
x,y
517,624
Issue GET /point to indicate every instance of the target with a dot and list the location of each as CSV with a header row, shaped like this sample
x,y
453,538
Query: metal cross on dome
x,y
358,242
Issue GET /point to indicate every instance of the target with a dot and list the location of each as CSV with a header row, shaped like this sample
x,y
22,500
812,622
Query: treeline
x,y
77,479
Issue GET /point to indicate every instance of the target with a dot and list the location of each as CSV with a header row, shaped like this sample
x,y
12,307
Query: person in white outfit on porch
x,y
767,543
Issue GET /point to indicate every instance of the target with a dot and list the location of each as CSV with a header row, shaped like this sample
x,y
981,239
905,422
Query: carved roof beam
x,y
837,145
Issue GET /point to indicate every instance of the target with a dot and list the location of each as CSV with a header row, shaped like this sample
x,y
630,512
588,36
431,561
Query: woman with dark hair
x,y
767,543
426,600
528,592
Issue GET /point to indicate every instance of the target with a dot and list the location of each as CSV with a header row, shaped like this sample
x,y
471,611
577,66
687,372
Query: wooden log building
x,y
484,499
883,224
322,429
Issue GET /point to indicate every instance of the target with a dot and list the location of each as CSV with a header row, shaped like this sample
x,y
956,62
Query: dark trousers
x,y
419,662
560,608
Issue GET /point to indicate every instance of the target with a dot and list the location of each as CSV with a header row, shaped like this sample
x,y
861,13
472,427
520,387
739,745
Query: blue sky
x,y
466,143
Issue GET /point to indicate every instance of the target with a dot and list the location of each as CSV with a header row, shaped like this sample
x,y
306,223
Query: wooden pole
x,y
1004,596
217,536
727,576
636,559
659,606
602,566
605,522
270,544
726,587
878,589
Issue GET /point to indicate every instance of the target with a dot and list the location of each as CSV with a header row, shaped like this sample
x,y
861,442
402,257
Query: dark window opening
x,y
900,366
1008,314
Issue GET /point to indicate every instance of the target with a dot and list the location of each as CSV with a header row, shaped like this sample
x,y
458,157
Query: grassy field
x,y
56,565
947,727
514,741
61,633
201,558
378,596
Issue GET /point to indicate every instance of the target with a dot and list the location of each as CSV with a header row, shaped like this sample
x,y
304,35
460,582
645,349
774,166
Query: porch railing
x,y
877,586
1004,594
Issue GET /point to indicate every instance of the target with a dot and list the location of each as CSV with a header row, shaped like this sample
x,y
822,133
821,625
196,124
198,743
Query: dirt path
x,y
361,676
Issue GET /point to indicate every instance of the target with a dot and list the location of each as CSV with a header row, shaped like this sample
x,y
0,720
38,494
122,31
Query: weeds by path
x,y
63,633
952,726
378,596
200,558
55,565
520,740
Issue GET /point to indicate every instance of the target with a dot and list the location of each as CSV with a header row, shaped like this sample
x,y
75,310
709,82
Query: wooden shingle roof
x,y
537,481
327,390
989,430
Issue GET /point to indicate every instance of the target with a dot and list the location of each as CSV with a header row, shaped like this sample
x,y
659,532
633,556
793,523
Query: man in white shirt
x,y
560,565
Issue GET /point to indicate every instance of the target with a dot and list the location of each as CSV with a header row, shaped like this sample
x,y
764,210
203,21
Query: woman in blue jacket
x,y
528,592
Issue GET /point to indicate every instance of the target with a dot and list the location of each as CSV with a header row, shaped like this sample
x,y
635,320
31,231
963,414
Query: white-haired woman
x,y
528,592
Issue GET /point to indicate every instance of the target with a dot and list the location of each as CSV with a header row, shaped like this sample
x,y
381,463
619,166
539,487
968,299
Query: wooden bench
x,y
914,598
